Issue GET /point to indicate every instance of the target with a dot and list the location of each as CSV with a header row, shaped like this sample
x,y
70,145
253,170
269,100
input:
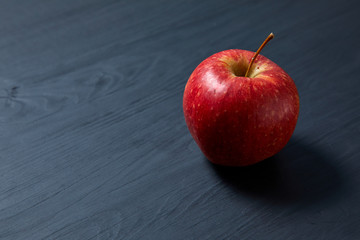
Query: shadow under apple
x,y
297,174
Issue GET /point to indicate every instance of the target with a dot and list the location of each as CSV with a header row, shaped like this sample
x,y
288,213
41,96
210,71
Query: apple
x,y
240,107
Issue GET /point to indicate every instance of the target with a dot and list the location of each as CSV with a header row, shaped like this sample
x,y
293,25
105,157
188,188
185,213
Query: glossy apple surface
x,y
237,120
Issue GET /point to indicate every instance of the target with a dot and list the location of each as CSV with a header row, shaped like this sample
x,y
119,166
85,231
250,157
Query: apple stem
x,y
271,36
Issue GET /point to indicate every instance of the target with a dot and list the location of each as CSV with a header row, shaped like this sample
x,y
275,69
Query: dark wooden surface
x,y
93,141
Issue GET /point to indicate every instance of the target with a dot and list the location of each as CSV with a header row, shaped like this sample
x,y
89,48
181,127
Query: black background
x,y
93,142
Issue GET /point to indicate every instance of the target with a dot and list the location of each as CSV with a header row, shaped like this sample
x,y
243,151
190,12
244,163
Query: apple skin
x,y
237,120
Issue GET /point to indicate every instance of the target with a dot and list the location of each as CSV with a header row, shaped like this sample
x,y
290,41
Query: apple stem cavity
x,y
271,36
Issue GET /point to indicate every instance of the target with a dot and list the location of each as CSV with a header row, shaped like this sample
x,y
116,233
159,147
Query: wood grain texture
x,y
93,141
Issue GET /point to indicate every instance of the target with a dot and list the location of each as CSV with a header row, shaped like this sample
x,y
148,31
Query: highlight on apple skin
x,y
238,120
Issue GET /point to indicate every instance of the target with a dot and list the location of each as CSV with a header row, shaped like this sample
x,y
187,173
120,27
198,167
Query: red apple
x,y
238,120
